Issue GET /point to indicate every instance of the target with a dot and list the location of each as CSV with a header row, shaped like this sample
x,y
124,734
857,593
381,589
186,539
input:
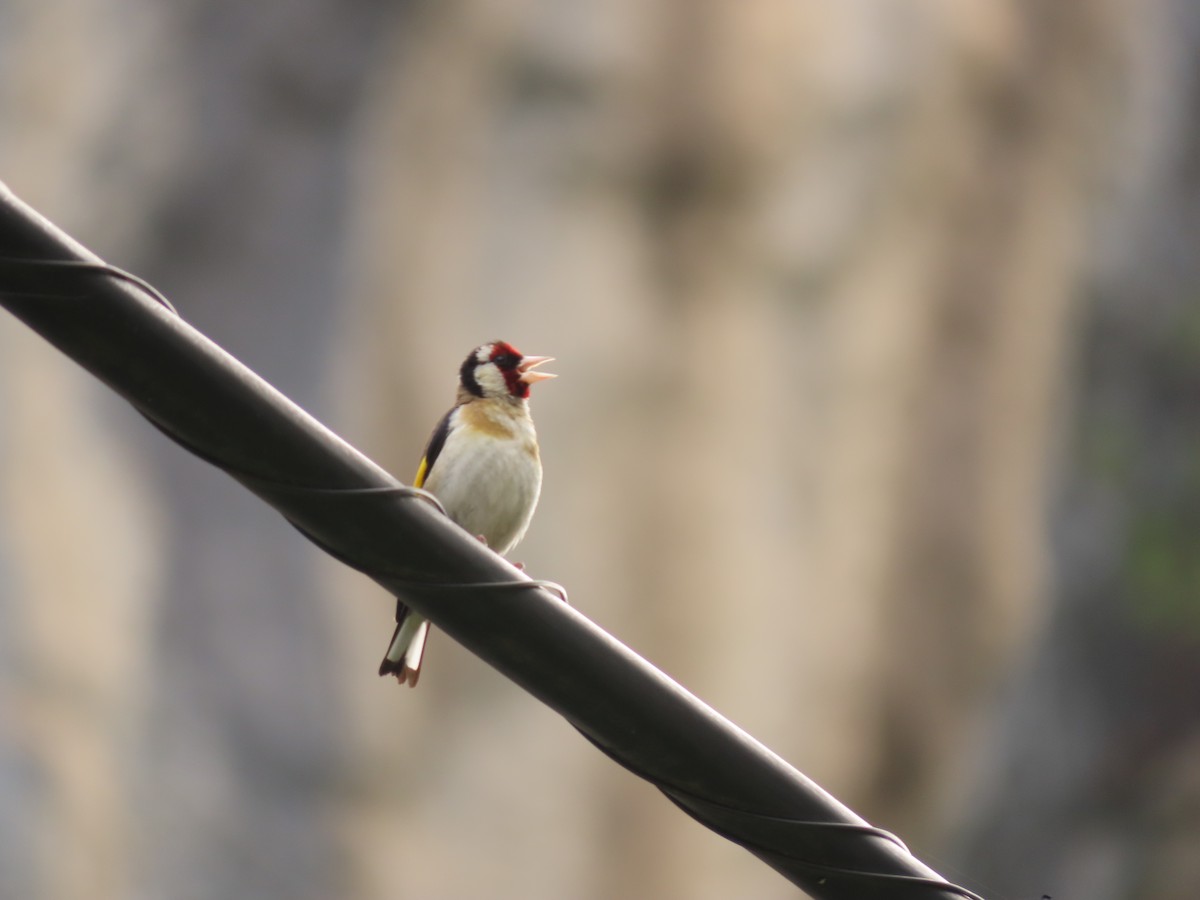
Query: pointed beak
x,y
528,364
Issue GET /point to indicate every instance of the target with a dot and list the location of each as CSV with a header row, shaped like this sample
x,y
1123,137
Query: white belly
x,y
489,485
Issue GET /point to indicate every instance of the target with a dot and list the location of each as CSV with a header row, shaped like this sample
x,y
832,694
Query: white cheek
x,y
491,382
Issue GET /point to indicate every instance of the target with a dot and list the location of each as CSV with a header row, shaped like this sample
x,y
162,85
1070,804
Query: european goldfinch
x,y
482,463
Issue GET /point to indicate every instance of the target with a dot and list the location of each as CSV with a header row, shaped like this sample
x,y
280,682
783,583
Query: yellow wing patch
x,y
422,472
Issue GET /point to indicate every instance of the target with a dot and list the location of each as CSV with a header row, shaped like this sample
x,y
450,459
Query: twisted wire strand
x,y
96,267
688,801
272,484
394,490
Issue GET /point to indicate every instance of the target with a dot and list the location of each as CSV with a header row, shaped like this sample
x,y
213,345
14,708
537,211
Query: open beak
x,y
528,364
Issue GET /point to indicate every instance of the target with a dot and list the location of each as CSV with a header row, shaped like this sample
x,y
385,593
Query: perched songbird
x,y
482,463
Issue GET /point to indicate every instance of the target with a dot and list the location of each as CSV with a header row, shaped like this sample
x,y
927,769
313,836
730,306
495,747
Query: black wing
x,y
434,448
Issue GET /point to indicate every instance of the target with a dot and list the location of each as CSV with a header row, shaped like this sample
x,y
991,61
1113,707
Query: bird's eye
x,y
505,360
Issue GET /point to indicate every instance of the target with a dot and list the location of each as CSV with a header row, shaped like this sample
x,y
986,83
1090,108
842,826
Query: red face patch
x,y
506,358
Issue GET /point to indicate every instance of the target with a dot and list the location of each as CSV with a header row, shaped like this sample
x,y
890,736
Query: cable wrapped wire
x,y
125,333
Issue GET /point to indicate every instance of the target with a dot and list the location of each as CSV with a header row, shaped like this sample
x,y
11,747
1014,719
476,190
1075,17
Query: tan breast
x,y
490,417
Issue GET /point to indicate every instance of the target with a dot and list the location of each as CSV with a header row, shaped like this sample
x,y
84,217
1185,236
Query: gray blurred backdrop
x,y
878,324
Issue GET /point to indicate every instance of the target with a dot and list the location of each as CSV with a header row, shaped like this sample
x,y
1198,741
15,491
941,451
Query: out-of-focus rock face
x,y
819,278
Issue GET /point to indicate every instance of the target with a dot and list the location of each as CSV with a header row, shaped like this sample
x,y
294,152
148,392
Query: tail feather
x,y
407,648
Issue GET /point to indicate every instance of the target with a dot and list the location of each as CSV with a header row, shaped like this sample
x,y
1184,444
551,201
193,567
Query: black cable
x,y
222,412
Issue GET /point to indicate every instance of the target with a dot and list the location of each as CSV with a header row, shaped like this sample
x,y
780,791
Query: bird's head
x,y
498,370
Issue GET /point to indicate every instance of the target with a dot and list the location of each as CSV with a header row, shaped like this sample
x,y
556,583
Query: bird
x,y
482,463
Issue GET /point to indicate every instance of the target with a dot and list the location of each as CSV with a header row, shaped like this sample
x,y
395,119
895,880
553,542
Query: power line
x,y
126,334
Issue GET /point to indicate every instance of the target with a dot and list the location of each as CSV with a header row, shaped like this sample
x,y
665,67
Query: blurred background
x,y
878,427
